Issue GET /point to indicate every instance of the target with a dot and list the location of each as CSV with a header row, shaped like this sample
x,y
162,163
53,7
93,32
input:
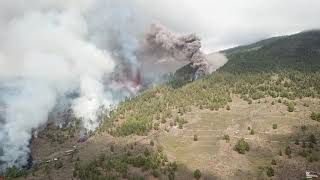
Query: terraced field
x,y
213,155
216,157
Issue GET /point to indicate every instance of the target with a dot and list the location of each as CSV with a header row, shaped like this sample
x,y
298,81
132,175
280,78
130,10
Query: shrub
x,y
155,173
252,132
228,108
197,174
273,162
151,142
173,166
146,152
312,139
157,116
242,146
315,116
290,107
112,148
296,142
270,171
156,126
171,175
288,151
274,126
195,137
226,137
163,120
280,152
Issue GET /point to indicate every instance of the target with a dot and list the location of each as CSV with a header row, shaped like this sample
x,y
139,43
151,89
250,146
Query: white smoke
x,y
50,49
45,54
215,61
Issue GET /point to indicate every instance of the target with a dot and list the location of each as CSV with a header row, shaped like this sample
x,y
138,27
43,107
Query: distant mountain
x,y
299,51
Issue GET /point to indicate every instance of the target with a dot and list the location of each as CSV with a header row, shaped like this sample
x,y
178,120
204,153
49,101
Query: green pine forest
x,y
282,67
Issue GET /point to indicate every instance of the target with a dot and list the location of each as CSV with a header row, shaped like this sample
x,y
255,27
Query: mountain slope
x,y
299,51
265,94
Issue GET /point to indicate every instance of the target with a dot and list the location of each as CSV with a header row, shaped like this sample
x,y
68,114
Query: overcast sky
x,y
227,23
220,23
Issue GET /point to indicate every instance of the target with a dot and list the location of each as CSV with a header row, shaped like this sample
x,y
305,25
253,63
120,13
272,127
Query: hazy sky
x,y
220,23
228,23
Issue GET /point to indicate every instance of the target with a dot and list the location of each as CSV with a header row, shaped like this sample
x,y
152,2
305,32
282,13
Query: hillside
x,y
256,117
299,51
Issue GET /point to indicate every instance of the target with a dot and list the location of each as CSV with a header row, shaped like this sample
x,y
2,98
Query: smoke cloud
x,y
45,55
52,49
164,43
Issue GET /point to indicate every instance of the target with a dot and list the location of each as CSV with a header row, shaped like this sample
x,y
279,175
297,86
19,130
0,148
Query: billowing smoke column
x,y
181,48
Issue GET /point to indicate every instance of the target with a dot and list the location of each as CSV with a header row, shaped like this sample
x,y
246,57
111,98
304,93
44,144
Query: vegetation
x,y
298,52
253,72
270,171
288,151
274,126
195,137
290,107
252,132
226,137
309,155
14,172
211,92
115,167
242,146
312,139
315,116
270,69
197,174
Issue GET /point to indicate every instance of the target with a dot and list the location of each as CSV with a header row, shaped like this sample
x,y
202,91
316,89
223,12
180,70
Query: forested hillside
x,y
286,67
300,52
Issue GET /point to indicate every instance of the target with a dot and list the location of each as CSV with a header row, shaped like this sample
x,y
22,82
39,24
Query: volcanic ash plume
x,y
164,43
